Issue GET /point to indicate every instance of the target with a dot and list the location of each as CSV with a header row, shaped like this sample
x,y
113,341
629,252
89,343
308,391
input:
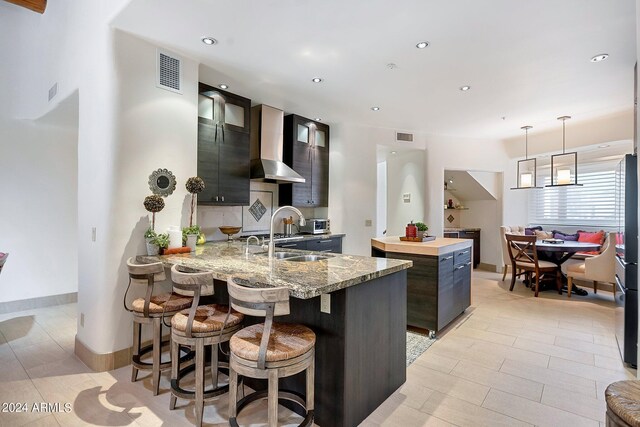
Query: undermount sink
x,y
284,255
307,258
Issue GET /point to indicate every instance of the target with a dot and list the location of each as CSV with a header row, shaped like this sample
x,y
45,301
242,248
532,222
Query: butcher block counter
x,y
439,284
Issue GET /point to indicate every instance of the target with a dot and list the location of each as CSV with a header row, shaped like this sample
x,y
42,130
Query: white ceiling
x,y
527,61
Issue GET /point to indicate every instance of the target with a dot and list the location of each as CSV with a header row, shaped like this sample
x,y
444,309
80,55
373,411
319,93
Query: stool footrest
x,y
182,393
146,350
291,396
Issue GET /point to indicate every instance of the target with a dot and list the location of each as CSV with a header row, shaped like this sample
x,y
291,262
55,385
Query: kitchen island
x,y
439,284
360,341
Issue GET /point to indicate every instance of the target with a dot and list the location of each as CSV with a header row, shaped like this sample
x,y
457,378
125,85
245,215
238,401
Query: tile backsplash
x,y
212,217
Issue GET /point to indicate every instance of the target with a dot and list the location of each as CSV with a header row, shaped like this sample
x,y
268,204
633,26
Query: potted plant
x,y
191,234
152,248
422,228
161,241
152,204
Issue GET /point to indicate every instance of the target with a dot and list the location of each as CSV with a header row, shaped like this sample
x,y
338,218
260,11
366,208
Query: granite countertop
x,y
439,246
294,238
304,279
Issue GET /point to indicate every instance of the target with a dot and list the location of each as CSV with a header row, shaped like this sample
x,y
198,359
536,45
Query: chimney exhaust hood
x,y
267,126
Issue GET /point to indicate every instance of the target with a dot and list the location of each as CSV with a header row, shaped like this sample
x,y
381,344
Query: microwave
x,y
316,226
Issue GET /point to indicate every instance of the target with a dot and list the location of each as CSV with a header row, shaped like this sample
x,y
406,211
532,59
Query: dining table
x,y
559,252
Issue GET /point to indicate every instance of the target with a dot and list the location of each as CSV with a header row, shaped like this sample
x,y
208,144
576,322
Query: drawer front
x,y
333,245
462,256
292,245
445,267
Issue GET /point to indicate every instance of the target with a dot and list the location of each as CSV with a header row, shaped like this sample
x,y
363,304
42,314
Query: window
x,y
592,204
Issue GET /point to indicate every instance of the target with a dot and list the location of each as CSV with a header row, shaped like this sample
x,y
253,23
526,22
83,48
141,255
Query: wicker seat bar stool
x,y
198,327
150,310
269,351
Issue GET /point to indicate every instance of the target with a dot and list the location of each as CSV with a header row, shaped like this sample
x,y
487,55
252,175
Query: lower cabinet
x,y
330,245
438,287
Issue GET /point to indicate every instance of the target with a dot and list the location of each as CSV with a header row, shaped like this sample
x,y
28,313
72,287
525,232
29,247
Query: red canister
x,y
411,230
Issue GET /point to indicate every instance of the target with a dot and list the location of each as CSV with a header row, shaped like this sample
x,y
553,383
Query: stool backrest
x,y
143,274
260,302
256,301
136,270
194,282
522,248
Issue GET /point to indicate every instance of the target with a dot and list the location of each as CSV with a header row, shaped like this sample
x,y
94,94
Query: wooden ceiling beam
x,y
35,5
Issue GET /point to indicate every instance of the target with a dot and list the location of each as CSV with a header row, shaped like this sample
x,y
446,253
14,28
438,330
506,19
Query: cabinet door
x,y
234,168
207,161
447,306
475,236
301,245
332,245
462,286
298,138
320,166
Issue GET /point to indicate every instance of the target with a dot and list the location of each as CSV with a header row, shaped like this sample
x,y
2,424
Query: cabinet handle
x,y
222,198
289,246
447,258
326,241
464,252
216,198
469,263
327,250
460,267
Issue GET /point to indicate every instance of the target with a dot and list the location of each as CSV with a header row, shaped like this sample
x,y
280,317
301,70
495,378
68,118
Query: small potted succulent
x,y
152,204
192,233
161,241
422,228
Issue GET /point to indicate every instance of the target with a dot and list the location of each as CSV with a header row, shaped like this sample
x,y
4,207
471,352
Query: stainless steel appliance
x,y
627,259
316,226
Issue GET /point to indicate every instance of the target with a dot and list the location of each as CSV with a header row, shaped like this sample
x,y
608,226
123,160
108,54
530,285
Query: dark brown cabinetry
x,y
306,150
224,124
330,245
438,287
468,234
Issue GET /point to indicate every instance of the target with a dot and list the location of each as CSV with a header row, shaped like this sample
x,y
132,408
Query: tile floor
x,y
511,360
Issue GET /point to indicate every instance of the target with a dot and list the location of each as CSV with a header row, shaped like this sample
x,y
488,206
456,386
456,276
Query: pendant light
x,y
564,167
527,169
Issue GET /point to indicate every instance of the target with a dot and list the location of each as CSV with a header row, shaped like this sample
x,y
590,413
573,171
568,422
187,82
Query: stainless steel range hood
x,y
267,125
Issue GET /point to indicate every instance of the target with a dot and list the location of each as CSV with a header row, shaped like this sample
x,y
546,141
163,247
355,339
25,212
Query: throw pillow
x,y
566,237
530,231
543,234
589,237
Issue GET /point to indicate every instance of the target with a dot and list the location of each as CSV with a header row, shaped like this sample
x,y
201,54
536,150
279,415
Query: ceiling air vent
x,y
404,137
169,72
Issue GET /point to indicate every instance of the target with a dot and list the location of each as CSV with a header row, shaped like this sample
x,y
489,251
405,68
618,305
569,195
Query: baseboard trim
x,y
489,267
38,302
101,362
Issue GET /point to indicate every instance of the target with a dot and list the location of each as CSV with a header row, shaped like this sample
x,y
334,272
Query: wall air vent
x,y
169,72
404,137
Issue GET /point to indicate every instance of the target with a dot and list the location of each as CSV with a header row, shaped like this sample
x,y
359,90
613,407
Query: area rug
x,y
416,345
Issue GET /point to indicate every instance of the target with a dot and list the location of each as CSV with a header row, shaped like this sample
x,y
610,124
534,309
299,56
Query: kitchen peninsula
x,y
360,339
439,284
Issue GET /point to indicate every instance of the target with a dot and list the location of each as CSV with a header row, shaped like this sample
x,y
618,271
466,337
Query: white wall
x,y
38,172
486,215
381,200
405,175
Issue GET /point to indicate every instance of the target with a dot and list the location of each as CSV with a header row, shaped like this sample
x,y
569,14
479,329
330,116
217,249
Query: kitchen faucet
x,y
246,251
272,244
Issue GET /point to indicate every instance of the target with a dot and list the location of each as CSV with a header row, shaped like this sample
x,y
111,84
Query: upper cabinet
x,y
306,150
224,124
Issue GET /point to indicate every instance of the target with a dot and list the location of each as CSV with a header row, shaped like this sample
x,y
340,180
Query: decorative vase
x,y
152,249
191,241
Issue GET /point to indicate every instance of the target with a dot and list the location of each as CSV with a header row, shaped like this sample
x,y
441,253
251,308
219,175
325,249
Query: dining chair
x,y
504,230
524,256
598,268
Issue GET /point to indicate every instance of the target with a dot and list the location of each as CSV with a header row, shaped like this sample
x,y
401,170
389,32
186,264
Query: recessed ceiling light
x,y
603,146
465,88
393,152
209,40
316,79
318,119
422,45
375,108
600,57
223,86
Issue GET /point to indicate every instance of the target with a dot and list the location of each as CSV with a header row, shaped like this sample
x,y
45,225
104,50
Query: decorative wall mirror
x,y
162,182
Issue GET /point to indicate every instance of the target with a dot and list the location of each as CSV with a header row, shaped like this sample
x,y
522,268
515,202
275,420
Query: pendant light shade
x,y
564,167
527,170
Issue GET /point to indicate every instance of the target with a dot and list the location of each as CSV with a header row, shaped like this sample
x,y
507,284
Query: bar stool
x,y
150,310
269,351
197,327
